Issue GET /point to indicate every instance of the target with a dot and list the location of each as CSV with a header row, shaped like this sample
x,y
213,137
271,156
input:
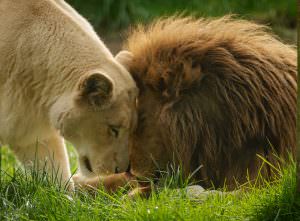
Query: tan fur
x,y
56,75
214,93
111,183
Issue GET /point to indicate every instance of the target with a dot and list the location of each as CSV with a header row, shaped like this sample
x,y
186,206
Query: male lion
x,y
216,96
58,79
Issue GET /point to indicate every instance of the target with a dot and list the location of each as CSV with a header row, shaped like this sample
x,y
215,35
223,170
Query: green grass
x,y
112,12
27,197
116,14
111,18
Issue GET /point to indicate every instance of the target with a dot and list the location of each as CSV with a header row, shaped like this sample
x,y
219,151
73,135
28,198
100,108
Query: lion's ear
x,y
124,57
95,89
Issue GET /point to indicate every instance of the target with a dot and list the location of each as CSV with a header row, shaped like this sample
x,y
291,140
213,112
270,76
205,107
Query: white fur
x,y
45,48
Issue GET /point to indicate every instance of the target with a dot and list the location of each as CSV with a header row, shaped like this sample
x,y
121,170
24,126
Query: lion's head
x,y
97,117
213,94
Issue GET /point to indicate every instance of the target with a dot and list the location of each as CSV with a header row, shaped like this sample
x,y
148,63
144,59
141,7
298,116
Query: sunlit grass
x,y
27,197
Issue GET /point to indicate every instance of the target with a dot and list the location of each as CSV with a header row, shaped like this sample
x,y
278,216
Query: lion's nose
x,y
87,163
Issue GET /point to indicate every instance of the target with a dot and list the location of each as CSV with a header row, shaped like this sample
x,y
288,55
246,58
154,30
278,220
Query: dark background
x,y
111,18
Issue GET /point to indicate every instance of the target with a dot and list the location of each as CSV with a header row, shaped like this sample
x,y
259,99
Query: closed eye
x,y
114,131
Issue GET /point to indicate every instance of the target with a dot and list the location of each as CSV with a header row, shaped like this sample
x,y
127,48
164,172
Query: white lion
x,y
57,79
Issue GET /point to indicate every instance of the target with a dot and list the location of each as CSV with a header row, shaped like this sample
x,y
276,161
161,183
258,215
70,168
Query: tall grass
x,y
32,196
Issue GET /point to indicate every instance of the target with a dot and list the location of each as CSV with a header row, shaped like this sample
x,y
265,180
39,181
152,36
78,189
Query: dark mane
x,y
227,89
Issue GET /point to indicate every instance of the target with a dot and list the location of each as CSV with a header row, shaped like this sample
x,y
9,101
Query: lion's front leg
x,y
48,155
110,183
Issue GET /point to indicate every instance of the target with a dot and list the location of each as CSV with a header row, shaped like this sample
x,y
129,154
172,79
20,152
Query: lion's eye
x,y
115,131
